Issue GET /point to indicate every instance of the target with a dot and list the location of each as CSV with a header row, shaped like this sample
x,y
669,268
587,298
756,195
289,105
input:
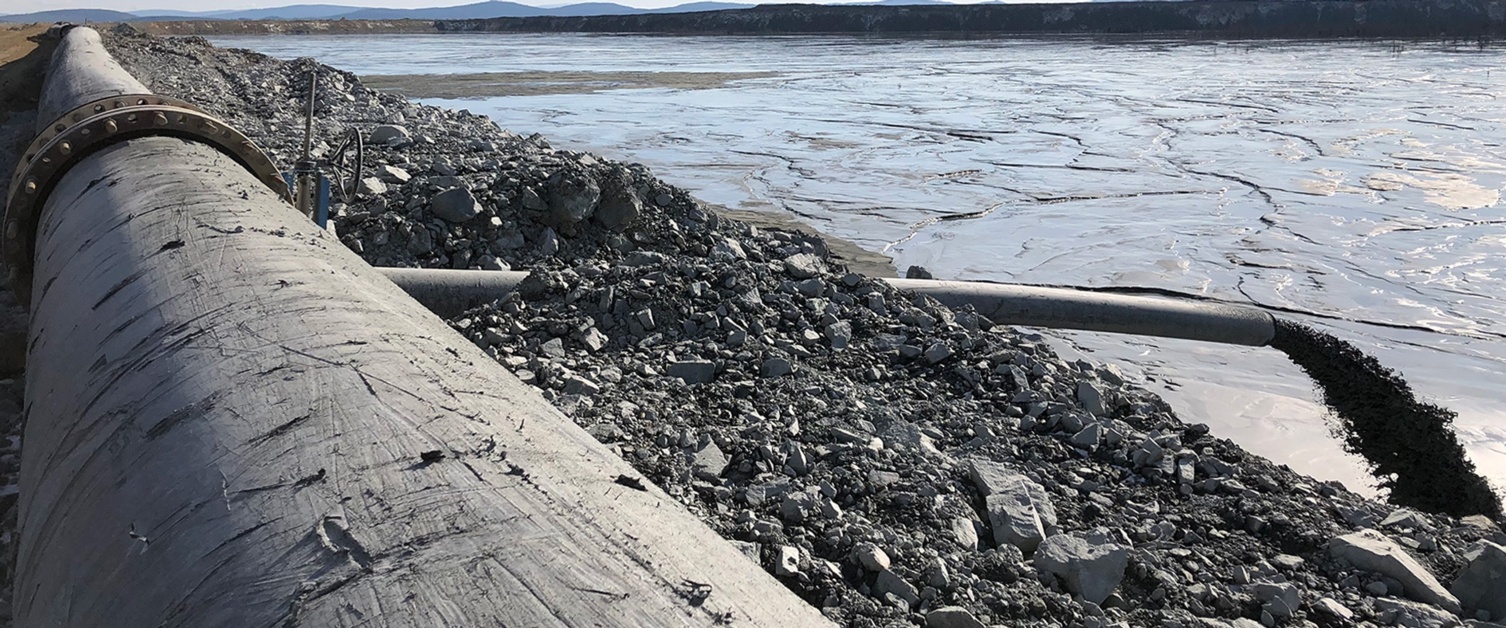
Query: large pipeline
x,y
234,421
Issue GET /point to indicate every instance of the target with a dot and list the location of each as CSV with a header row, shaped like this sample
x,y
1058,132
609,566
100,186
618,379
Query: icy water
x,y
1352,186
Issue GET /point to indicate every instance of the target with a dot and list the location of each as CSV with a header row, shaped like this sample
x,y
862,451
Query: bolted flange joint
x,y
91,127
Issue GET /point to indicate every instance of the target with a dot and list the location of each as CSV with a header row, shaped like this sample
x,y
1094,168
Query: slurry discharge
x,y
1410,444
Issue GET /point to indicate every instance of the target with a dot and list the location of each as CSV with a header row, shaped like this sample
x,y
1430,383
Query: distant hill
x,y
596,8
700,6
479,10
165,13
70,15
464,12
294,12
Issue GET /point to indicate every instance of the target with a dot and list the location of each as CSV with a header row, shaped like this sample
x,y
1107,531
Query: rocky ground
x,y
23,54
892,461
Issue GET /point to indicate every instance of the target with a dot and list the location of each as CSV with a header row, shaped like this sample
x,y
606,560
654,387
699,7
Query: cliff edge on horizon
x,y
1458,19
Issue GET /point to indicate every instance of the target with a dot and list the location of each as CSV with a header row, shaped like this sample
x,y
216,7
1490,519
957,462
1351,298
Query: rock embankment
x,y
892,461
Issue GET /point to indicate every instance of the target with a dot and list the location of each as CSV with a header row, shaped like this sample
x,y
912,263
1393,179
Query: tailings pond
x,y
1352,186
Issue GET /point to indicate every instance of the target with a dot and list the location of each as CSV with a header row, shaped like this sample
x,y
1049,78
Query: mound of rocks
x,y
441,189
892,461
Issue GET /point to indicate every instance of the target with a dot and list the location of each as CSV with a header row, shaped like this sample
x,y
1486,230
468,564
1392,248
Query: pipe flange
x,y
92,127
86,110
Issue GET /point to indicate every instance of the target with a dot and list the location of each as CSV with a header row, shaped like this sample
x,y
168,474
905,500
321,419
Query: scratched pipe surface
x,y
228,421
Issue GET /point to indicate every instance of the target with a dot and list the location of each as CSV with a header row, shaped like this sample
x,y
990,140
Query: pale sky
x,y
29,6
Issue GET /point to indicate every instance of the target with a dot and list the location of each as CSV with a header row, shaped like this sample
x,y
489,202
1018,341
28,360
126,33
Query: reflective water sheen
x,y
1356,183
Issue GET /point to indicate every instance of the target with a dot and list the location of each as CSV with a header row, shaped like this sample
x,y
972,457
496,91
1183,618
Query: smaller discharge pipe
x,y
1065,308
450,292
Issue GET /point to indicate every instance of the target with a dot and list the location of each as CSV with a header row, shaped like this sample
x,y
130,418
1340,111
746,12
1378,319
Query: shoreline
x,y
536,83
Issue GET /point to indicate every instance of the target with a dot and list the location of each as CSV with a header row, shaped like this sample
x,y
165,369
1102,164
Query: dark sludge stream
x,y
1410,445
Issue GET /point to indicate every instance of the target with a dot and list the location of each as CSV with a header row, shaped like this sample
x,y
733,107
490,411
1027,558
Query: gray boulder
x,y
1403,518
573,196
1333,608
839,334
1281,599
1485,525
1088,437
693,371
871,557
965,532
889,582
549,243
420,242
1394,612
1091,398
388,134
594,339
728,249
776,367
371,186
1089,563
907,436
619,206
532,200
393,174
937,352
794,508
952,617
802,266
1019,509
708,462
1373,551
1481,585
787,562
812,287
455,205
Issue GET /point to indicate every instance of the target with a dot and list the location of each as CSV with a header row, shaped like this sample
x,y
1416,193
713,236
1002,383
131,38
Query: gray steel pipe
x,y
234,421
1064,308
450,292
